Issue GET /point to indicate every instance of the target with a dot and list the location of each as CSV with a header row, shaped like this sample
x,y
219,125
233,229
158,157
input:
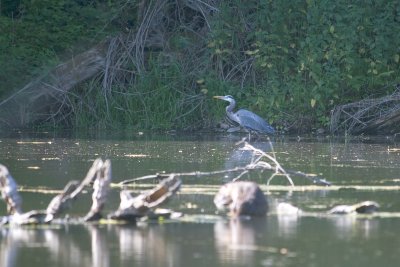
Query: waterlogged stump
x,y
241,198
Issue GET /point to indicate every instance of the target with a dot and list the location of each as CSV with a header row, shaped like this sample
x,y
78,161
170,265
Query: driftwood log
x,y
368,116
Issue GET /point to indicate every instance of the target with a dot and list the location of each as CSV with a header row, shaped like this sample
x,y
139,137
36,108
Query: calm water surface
x,y
209,238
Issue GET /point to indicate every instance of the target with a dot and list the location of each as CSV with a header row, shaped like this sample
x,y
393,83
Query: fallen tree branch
x,y
370,115
257,163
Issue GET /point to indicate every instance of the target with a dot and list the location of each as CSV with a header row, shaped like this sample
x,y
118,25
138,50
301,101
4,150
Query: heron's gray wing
x,y
254,122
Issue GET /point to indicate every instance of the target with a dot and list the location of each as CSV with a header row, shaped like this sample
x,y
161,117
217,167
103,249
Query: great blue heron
x,y
245,118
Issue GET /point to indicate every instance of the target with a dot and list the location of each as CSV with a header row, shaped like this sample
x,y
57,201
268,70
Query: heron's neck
x,y
229,111
231,106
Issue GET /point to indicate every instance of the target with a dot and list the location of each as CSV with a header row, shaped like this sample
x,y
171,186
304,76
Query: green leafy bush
x,y
308,55
289,61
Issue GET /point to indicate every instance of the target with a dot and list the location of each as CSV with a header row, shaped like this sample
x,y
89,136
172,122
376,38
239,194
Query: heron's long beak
x,y
218,97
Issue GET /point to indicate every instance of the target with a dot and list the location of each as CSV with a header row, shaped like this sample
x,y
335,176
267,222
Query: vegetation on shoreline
x,y
289,61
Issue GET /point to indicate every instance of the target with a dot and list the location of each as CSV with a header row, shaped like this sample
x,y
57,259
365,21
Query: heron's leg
x,y
248,138
256,136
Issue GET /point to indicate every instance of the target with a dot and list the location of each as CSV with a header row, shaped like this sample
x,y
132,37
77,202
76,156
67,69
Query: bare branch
x,y
261,161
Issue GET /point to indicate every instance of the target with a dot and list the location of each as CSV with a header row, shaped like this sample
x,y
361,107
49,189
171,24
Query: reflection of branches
x,y
260,161
100,252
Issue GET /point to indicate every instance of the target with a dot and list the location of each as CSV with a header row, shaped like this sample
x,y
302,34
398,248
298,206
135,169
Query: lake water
x,y
205,237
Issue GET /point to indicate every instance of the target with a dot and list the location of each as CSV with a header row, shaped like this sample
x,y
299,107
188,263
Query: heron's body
x,y
252,121
245,118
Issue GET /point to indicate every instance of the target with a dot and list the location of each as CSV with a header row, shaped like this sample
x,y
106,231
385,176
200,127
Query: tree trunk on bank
x,y
42,99
117,62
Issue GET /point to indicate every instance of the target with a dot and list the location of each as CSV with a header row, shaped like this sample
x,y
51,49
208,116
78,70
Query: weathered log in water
x,y
145,204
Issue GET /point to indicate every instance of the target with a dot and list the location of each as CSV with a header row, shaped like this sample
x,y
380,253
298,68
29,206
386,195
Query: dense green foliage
x,y
154,102
289,61
310,55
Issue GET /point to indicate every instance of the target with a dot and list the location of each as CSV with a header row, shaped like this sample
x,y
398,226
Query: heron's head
x,y
228,98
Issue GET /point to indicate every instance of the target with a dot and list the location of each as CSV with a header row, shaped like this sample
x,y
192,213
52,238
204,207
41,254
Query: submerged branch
x,y
212,189
195,173
260,161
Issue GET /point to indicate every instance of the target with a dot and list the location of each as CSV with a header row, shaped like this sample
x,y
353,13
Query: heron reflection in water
x,y
241,157
9,191
245,118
